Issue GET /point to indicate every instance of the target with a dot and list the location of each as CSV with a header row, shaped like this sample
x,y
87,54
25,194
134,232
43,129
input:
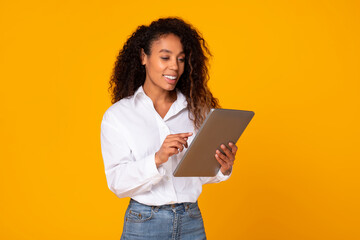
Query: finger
x,y
222,162
173,151
177,144
222,156
173,137
182,141
224,165
234,148
228,153
182,135
225,158
176,139
179,147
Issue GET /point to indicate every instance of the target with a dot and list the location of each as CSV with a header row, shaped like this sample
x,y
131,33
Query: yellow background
x,y
295,63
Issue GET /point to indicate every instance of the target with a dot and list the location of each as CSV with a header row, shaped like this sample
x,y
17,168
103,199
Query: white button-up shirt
x,y
131,133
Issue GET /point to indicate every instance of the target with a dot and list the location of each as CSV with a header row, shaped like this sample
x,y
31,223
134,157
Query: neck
x,y
158,95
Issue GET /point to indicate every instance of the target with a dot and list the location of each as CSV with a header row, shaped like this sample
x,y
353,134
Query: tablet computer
x,y
220,127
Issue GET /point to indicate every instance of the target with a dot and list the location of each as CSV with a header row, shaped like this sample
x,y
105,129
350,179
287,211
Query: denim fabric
x,y
181,221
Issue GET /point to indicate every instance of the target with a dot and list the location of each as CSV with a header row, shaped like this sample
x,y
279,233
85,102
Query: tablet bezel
x,y
219,127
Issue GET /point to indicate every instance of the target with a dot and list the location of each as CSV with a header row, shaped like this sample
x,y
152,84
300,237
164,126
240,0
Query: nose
x,y
174,65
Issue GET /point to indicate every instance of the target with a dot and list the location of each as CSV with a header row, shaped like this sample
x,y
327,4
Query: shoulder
x,y
118,110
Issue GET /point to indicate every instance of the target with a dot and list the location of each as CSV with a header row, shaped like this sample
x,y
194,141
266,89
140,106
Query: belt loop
x,y
155,208
186,206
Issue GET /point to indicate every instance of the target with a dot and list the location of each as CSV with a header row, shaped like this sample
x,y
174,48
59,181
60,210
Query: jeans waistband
x,y
174,206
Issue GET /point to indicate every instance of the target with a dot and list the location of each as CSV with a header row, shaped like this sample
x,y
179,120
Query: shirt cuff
x,y
152,170
158,171
223,177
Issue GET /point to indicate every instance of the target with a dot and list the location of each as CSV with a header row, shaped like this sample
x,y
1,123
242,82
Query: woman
x,y
160,99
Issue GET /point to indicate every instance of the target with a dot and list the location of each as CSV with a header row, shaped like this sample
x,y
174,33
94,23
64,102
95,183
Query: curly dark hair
x,y
129,74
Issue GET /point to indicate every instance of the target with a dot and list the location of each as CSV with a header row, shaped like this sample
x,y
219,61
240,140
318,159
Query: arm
x,y
218,178
125,175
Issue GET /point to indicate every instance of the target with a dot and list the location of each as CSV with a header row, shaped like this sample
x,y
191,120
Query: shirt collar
x,y
180,100
138,93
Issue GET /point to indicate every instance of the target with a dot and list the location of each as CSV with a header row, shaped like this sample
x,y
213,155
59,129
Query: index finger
x,y
183,135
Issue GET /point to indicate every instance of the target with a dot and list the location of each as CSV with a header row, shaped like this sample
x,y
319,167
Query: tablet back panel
x,y
220,127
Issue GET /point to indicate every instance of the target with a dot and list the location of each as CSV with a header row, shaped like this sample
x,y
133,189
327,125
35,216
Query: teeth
x,y
170,77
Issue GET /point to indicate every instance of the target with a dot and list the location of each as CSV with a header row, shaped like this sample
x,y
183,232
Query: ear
x,y
143,57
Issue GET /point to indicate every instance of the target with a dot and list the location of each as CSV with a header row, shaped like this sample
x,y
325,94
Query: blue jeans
x,y
182,221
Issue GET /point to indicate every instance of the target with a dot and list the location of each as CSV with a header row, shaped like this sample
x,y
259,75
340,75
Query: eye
x,y
164,58
181,59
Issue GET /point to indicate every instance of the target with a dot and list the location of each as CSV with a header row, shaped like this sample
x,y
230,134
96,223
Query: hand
x,y
226,161
173,144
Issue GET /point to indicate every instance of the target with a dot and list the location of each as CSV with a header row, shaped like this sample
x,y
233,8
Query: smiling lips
x,y
170,79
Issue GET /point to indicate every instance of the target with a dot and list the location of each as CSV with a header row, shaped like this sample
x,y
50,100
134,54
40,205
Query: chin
x,y
170,87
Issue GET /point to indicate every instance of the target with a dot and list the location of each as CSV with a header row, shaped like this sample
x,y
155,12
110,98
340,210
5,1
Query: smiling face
x,y
165,64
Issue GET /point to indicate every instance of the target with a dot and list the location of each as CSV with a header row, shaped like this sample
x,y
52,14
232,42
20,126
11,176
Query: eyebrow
x,y
168,51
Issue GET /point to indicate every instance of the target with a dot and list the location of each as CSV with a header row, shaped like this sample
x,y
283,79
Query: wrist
x,y
157,160
226,172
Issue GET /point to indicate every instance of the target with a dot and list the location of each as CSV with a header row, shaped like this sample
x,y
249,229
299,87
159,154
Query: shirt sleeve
x,y
125,175
219,177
